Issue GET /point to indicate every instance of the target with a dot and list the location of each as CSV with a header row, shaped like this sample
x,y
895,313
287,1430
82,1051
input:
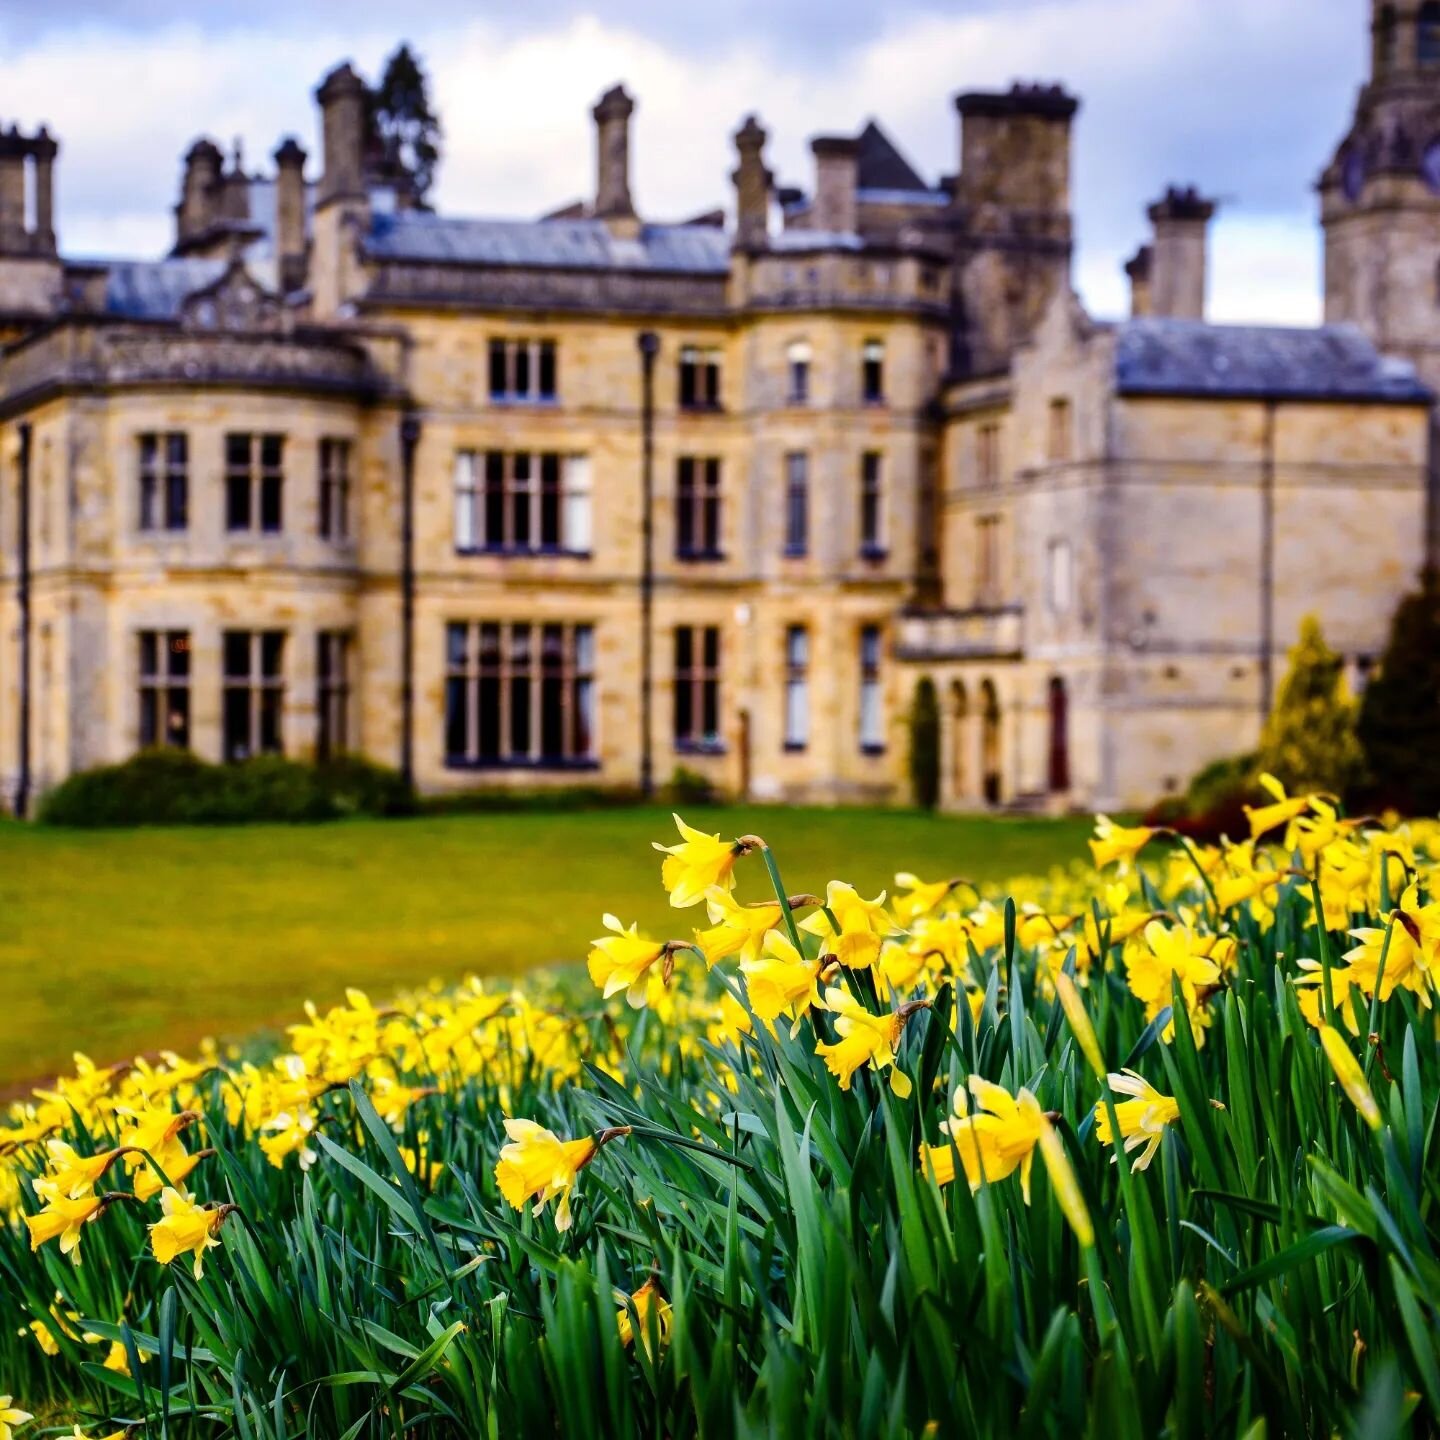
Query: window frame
x,y
333,649
259,478
262,686
797,689
872,372
872,505
799,356
164,482
554,493
333,506
697,382
505,681
697,670
870,718
797,504
159,686
699,514
520,364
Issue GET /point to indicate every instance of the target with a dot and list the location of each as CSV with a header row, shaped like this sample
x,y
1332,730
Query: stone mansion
x,y
589,497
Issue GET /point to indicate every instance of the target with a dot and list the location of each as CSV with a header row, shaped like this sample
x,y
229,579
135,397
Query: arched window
x,y
989,742
959,741
1427,40
1385,37
1059,736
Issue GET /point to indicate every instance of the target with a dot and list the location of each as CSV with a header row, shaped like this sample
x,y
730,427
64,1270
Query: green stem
x,y
1370,1050
783,896
1326,992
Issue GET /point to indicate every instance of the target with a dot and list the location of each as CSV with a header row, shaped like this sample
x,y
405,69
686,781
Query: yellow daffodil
x,y
11,1417
735,929
648,1303
1113,842
992,1143
698,863
781,981
865,1039
1282,809
1407,965
1173,952
920,896
863,924
186,1227
537,1164
622,961
61,1220
1066,1187
70,1175
1142,1118
1350,1075
1079,1018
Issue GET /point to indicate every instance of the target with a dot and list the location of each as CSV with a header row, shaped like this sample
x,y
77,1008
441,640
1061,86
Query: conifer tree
x,y
1400,715
404,130
1309,741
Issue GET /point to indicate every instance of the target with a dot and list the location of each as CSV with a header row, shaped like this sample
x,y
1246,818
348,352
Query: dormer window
x,y
699,378
798,358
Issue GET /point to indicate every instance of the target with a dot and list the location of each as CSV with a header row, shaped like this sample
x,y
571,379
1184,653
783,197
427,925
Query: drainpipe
x,y
22,786
649,343
1267,563
409,439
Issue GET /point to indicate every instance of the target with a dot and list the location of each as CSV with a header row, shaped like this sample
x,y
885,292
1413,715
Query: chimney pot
x,y
1181,218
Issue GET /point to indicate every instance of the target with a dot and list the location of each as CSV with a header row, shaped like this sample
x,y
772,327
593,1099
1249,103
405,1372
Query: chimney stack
x,y
1138,269
290,214
199,192
1177,283
18,236
612,135
752,188
341,97
837,168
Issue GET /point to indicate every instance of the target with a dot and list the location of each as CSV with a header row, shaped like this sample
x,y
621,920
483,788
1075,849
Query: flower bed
x,y
823,1164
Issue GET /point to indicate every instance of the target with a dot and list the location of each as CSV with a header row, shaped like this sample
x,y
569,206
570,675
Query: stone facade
x,y
886,444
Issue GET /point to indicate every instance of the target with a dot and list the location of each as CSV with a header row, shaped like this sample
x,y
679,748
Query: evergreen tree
x,y
404,130
1308,742
1400,716
925,745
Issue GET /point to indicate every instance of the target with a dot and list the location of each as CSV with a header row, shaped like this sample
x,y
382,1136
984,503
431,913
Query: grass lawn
x,y
116,942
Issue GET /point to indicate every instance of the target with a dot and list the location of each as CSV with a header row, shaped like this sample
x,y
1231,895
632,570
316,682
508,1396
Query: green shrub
x,y
174,787
689,787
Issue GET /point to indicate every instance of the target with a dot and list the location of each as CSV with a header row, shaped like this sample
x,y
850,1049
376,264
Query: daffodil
x,y
622,961
993,1142
186,1228
865,1039
735,929
653,1312
862,925
537,1164
698,863
71,1175
920,896
61,1220
1282,809
1350,1075
11,1417
1142,1118
1113,842
1170,953
781,981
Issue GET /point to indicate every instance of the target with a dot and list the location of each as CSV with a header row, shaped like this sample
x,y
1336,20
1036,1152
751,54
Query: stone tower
x,y
1012,205
1380,195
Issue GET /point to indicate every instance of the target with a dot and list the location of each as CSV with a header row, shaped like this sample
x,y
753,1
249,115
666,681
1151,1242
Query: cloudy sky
x,y
1246,98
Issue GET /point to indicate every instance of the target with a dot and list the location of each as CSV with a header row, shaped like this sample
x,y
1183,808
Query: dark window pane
x,y
237,653
178,657
583,720
519,716
237,723
177,450
270,701
272,644
457,723
177,718
494,499
550,500
684,644
497,369
270,504
522,370
688,395
177,501
149,653
237,502
149,721
270,451
552,717
684,708
712,647
455,636
489,688
237,452
547,370
712,384
711,696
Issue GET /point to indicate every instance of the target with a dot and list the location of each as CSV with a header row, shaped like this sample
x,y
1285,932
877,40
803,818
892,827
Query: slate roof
x,y
1155,356
154,289
882,166
553,244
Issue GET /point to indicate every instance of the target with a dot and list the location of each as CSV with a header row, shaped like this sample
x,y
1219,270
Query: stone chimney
x,y
1138,269
752,188
612,140
290,214
199,192
1177,278
25,161
341,97
837,167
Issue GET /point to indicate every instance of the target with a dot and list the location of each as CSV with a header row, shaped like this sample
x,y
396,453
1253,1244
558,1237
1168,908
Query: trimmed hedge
x,y
174,787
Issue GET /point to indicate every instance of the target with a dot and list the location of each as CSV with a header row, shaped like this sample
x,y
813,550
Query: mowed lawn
x,y
121,942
